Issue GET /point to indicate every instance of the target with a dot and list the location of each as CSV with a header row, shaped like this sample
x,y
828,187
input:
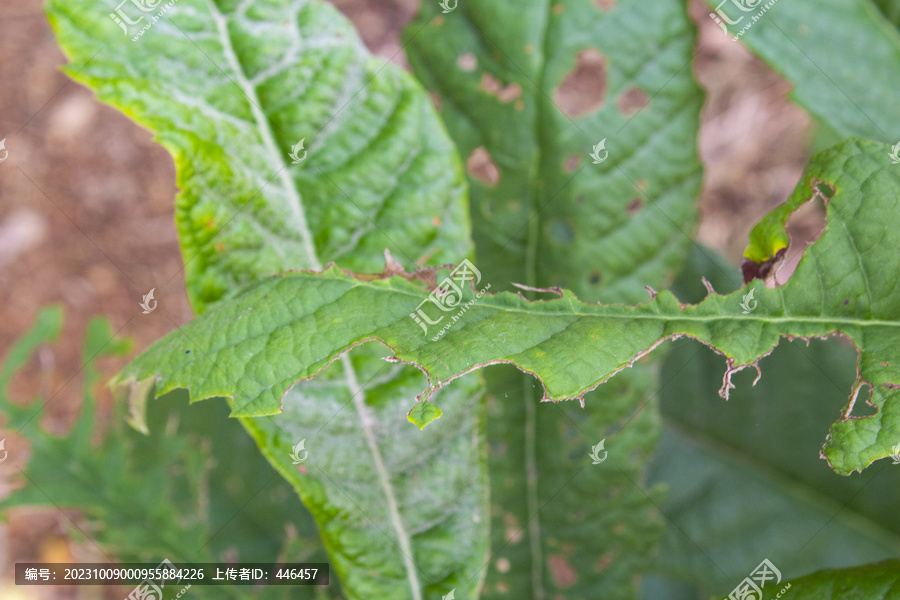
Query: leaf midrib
x,y
297,209
822,320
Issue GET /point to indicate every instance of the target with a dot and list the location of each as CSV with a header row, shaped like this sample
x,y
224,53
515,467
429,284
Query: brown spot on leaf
x,y
529,49
467,62
481,166
632,100
572,163
606,5
519,105
641,184
561,570
596,277
513,531
507,93
559,8
503,565
603,562
438,20
583,89
436,221
635,205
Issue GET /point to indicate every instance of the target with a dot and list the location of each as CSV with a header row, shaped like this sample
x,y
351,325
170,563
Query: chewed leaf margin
x,y
257,345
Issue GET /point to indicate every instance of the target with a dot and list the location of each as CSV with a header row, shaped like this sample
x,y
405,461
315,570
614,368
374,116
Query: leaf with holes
x,y
291,326
294,146
744,477
578,121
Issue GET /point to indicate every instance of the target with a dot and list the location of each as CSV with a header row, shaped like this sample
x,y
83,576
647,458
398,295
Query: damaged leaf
x,y
291,326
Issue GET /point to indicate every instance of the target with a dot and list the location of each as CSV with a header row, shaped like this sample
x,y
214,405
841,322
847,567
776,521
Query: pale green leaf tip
x,y
423,413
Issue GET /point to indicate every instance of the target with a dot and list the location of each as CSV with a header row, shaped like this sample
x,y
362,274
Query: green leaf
x,y
292,325
841,56
880,581
423,413
734,495
890,9
507,77
535,86
156,496
231,90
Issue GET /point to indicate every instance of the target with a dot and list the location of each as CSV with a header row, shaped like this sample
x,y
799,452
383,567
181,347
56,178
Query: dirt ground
x,y
86,209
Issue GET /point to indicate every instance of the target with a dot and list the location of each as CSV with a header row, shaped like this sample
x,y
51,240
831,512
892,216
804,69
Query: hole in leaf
x,y
632,100
823,188
482,167
561,569
493,86
804,226
861,405
583,89
467,62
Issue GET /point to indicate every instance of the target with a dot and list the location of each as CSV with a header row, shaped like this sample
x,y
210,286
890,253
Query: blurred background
x,y
86,212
